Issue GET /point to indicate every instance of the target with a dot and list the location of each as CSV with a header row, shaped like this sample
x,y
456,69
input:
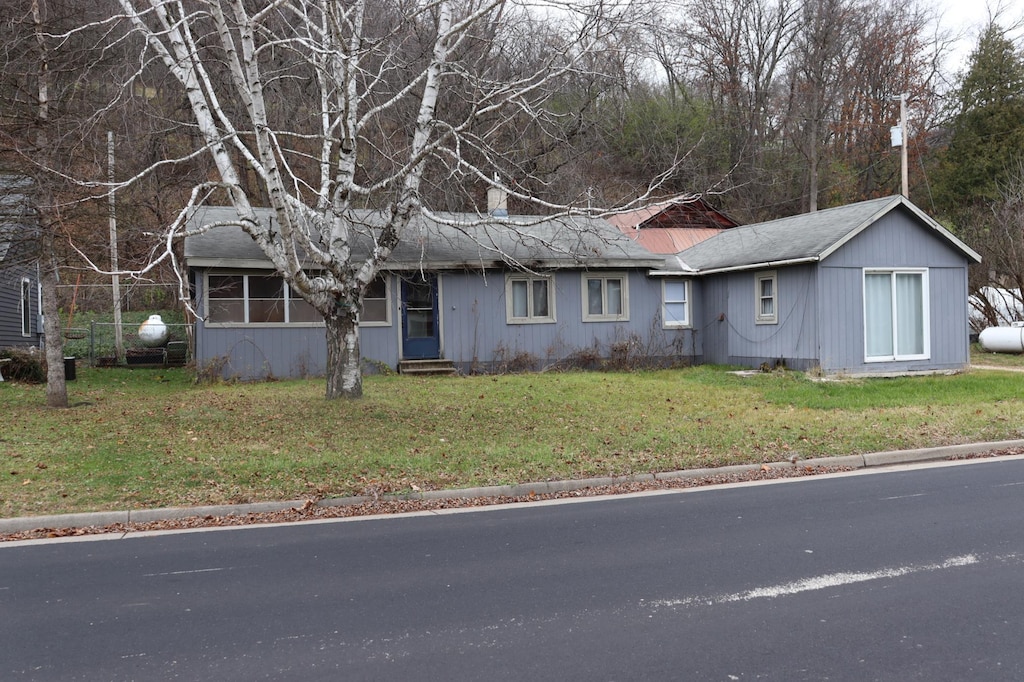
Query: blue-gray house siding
x,y
817,266
894,242
475,334
821,302
19,281
734,337
18,289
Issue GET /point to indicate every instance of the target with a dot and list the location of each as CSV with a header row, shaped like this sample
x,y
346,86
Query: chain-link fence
x,y
97,344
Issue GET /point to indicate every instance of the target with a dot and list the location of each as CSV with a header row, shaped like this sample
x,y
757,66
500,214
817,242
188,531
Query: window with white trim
x,y
262,298
376,312
605,297
896,319
675,296
26,307
529,299
766,301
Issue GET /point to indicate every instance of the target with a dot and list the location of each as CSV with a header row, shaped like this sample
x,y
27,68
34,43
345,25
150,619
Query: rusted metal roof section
x,y
671,239
688,213
672,227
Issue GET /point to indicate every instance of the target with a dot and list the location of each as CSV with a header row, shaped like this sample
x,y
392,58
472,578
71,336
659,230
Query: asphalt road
x,y
911,574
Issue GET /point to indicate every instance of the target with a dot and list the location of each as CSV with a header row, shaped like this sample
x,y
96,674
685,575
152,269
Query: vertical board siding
x,y
262,352
820,318
895,241
844,336
474,332
713,327
738,339
10,306
841,312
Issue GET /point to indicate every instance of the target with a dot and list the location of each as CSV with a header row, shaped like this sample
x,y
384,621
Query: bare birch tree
x,y
42,100
317,108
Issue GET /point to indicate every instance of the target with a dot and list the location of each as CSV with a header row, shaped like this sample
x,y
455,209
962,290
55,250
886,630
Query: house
x,y
480,293
19,279
872,287
670,227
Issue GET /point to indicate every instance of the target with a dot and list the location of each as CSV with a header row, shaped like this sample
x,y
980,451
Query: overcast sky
x,y
968,17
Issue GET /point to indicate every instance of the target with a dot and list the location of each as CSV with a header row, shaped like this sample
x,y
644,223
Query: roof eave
x,y
760,266
426,264
930,222
683,271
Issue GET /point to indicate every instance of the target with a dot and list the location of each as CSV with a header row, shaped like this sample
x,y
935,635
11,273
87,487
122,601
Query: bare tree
x,y
60,77
820,73
896,53
996,230
735,51
319,108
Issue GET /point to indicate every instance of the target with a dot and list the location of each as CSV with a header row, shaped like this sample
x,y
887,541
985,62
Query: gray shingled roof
x,y
529,241
802,238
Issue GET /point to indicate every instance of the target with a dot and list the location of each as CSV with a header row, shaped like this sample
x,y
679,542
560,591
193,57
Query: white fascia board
x,y
683,270
767,265
230,263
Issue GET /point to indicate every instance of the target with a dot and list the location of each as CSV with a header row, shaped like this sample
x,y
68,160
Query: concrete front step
x,y
426,367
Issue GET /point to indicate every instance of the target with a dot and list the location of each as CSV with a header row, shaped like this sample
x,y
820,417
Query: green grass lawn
x,y
140,438
981,357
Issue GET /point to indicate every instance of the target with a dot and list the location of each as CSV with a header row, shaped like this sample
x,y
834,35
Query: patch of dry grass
x,y
983,357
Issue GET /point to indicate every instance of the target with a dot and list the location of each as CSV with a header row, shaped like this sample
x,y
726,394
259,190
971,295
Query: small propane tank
x,y
1003,339
153,332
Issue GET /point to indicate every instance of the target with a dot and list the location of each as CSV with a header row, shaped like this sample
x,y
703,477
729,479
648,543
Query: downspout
x,y
39,307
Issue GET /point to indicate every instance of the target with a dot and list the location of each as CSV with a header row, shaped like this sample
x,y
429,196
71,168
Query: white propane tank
x,y
1003,339
153,332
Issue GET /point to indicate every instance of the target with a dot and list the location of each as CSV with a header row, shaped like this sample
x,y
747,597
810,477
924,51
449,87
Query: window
x,y
529,299
766,298
376,312
264,299
255,299
605,298
675,294
895,315
26,307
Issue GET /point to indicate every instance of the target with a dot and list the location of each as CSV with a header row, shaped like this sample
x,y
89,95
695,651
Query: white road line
x,y
197,570
903,497
815,583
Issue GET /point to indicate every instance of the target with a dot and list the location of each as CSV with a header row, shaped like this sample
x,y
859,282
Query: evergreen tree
x,y
986,130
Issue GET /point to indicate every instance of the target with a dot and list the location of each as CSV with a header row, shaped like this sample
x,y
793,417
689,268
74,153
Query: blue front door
x,y
421,336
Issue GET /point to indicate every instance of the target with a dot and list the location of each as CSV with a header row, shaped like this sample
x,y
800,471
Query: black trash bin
x,y
69,369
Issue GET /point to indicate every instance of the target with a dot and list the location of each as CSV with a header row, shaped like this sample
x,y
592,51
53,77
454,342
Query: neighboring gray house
x,y
873,287
19,279
519,291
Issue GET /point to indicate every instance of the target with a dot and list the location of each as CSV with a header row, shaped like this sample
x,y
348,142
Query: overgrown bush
x,y
513,361
212,371
26,365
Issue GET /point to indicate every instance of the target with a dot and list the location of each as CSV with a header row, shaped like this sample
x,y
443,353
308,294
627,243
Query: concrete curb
x,y
876,459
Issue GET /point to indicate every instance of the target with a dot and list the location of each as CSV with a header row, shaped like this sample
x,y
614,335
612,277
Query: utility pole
x,y
898,135
115,279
